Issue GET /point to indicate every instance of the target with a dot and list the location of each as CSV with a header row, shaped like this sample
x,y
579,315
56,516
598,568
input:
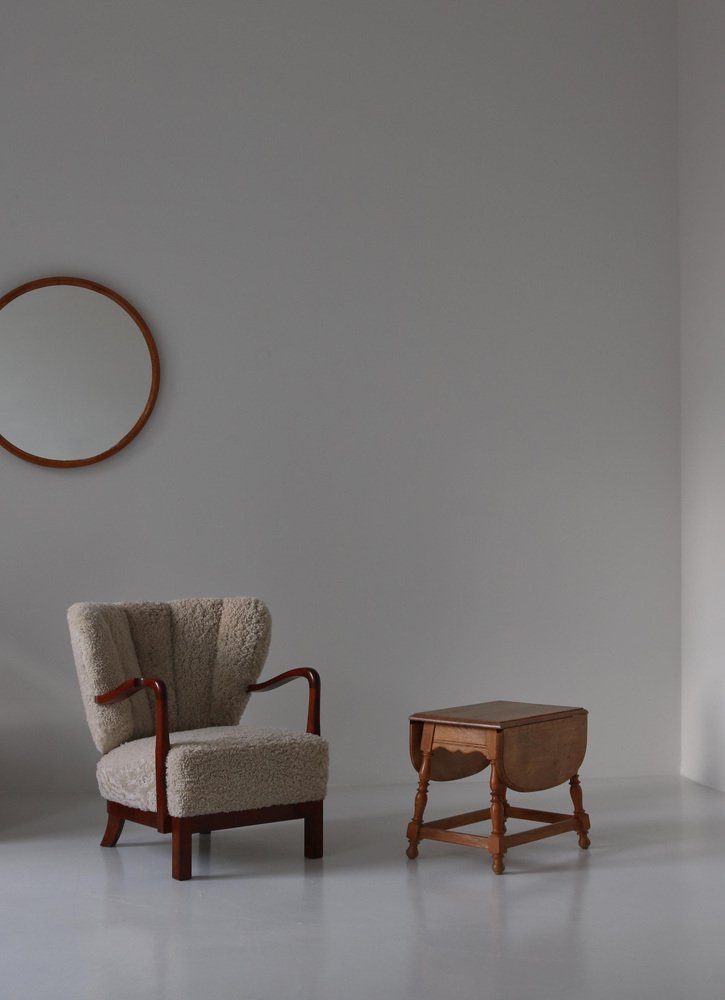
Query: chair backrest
x,y
206,652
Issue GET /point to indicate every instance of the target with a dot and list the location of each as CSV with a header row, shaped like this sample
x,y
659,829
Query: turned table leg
x,y
421,796
582,818
498,820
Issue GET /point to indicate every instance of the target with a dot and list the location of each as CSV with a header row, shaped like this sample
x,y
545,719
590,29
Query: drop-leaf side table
x,y
528,747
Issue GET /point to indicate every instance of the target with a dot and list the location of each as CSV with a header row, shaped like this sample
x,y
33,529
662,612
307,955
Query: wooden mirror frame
x,y
93,286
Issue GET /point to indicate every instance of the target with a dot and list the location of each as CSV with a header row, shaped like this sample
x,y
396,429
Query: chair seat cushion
x,y
220,769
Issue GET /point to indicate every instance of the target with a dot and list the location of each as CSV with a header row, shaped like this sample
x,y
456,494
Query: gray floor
x,y
640,915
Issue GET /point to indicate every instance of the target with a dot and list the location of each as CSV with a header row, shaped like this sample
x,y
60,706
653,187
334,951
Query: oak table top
x,y
498,714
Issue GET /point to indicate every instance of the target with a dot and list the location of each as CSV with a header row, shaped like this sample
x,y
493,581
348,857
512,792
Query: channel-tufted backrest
x,y
206,651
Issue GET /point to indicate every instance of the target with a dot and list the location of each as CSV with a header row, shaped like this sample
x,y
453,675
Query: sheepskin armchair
x,y
164,686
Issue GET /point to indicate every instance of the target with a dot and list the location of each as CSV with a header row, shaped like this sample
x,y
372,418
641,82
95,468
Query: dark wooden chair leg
x,y
180,849
314,831
583,824
114,826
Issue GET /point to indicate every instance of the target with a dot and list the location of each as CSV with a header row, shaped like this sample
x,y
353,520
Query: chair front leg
x,y
180,848
314,830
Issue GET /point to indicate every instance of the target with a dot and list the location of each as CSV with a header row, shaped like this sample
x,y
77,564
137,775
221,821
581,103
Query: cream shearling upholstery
x,y
220,769
207,652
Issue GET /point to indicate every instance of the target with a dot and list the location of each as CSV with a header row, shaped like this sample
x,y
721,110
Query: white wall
x,y
702,172
412,269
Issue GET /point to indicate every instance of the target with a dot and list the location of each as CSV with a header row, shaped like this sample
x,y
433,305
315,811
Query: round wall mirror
x,y
79,372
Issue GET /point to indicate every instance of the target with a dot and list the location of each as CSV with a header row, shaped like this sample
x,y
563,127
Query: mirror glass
x,y
79,372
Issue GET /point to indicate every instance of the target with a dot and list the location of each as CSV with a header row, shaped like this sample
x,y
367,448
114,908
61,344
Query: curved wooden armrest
x,y
313,679
163,744
130,687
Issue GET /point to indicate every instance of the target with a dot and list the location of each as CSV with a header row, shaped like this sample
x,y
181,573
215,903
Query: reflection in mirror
x,y
79,372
